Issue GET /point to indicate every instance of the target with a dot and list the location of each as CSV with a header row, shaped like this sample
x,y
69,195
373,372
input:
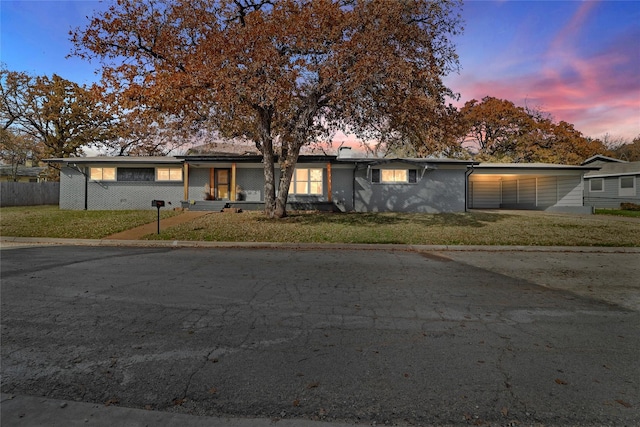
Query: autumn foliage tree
x,y
504,132
58,115
628,151
279,73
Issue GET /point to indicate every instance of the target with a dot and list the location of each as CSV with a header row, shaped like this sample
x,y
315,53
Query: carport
x,y
529,186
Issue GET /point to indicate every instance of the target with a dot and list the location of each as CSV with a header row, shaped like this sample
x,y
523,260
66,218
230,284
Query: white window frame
x,y
627,191
173,174
592,180
98,173
312,187
394,176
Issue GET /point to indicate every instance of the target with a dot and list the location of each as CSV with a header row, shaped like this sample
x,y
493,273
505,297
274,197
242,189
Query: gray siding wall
x,y
342,188
71,189
197,179
527,192
133,195
510,192
609,198
569,191
252,182
547,191
438,191
484,194
114,195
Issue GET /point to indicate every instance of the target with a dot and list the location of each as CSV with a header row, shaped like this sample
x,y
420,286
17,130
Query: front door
x,y
223,184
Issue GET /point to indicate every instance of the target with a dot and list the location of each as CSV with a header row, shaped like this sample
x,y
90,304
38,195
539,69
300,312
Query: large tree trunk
x,y
288,161
268,160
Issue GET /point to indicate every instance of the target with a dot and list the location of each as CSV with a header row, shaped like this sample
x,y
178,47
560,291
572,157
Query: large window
x,y
102,174
306,181
168,174
135,174
627,186
392,176
596,184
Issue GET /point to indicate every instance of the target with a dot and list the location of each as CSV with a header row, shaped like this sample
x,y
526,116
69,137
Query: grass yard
x,y
473,228
50,221
618,212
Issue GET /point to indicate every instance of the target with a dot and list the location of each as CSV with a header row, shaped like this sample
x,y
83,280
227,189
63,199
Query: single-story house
x,y
22,173
613,183
201,182
340,183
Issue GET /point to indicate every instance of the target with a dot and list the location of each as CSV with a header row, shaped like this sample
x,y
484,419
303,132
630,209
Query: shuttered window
x,y
394,176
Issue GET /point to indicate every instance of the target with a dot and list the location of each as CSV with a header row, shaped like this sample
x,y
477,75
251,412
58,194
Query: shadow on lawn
x,y
470,219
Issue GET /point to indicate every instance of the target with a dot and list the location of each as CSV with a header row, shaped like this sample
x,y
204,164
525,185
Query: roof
x,y
412,160
116,159
615,169
7,170
249,158
535,166
601,158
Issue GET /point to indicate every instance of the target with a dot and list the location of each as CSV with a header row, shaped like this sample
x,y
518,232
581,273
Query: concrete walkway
x,y
152,228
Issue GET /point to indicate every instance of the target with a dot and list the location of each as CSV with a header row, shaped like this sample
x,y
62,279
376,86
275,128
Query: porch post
x,y
233,182
185,171
212,189
329,185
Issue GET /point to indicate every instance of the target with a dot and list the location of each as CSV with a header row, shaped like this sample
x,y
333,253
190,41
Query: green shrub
x,y
629,207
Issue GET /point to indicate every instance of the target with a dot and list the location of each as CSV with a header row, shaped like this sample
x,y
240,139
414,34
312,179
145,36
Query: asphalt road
x,y
396,337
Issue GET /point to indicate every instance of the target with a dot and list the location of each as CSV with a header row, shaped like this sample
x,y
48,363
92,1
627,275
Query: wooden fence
x,y
29,193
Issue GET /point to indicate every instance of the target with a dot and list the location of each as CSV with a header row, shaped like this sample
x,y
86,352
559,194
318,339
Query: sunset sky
x,y
578,60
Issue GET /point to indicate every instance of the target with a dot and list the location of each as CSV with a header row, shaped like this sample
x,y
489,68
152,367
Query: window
x,y
596,184
169,174
102,174
394,175
627,186
306,181
135,174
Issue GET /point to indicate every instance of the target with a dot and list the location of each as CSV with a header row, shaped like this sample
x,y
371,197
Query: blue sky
x,y
578,60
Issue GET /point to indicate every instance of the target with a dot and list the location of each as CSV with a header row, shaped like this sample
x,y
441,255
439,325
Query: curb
x,y
309,246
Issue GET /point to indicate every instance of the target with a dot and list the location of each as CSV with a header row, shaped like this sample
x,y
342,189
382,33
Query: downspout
x,y
186,181
467,174
329,183
86,185
86,190
353,187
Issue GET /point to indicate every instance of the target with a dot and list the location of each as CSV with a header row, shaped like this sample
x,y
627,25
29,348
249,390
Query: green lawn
x,y
50,221
618,212
474,228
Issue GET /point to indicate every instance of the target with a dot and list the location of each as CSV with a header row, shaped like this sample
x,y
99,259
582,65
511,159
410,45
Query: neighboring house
x,y
320,182
23,173
530,186
615,182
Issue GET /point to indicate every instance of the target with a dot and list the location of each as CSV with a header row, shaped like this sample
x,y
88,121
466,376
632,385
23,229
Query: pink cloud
x,y
599,93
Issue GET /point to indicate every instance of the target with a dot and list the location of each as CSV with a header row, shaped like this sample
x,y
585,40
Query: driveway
x,y
360,336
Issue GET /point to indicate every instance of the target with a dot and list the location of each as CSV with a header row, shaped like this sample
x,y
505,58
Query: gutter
x,y
467,174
